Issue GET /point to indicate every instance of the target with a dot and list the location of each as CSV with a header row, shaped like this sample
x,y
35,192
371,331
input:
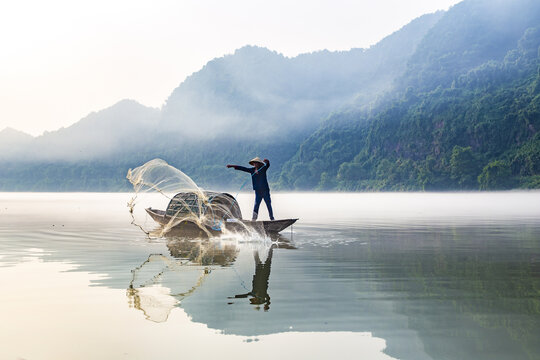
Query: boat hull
x,y
268,227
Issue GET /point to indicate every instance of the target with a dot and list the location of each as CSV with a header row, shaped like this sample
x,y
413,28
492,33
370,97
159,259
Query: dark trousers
x,y
259,196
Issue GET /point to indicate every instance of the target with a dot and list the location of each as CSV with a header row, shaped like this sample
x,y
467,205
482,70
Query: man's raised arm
x,y
241,168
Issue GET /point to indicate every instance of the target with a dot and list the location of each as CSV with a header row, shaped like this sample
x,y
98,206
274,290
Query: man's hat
x,y
255,160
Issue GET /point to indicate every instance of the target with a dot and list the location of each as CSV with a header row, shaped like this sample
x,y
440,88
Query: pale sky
x,y
61,60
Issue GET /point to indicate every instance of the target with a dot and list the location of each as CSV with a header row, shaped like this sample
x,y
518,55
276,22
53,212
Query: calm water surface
x,y
364,276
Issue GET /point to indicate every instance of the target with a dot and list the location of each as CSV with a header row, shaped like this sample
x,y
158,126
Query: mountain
x,y
13,142
10,137
121,128
256,91
470,34
252,102
465,114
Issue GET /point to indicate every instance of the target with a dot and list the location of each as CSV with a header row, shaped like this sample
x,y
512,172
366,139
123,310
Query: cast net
x,y
167,201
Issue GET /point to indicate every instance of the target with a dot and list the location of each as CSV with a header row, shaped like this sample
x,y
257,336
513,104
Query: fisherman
x,y
260,184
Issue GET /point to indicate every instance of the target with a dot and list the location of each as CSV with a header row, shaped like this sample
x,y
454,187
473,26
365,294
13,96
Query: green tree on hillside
x,y
495,176
464,167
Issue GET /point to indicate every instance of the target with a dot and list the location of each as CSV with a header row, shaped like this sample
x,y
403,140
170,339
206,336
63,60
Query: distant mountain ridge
x,y
12,141
10,136
121,128
256,90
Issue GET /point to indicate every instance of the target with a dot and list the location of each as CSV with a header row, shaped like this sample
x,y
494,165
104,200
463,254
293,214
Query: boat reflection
x,y
162,282
203,251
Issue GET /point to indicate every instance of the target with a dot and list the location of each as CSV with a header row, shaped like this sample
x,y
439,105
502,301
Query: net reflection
x,y
162,282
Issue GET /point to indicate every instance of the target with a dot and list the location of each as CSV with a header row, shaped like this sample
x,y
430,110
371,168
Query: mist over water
x,y
418,210
408,276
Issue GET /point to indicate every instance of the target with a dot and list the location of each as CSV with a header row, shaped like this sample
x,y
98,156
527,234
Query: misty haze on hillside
x,y
252,93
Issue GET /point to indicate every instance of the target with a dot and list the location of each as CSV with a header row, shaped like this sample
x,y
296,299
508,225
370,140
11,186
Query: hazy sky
x,y
61,60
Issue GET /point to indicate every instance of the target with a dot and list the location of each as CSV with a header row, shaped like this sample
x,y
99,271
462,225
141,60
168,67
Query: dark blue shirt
x,y
258,177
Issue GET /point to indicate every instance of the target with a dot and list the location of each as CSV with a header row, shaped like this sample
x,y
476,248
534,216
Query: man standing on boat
x,y
260,184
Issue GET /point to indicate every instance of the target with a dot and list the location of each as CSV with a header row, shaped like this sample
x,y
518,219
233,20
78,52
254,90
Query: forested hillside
x,y
466,113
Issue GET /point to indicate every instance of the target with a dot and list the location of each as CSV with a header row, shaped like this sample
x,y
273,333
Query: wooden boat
x,y
267,226
192,213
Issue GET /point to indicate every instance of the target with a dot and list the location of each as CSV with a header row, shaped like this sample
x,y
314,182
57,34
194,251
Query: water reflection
x,y
450,287
259,291
203,251
162,282
468,292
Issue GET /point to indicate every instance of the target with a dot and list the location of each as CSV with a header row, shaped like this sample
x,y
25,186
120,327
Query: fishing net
x,y
167,201
158,176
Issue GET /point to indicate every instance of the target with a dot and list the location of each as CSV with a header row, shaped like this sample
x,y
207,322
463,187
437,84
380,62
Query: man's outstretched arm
x,y
241,168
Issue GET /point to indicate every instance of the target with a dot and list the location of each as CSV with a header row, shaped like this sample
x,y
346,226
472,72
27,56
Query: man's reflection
x,y
259,292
